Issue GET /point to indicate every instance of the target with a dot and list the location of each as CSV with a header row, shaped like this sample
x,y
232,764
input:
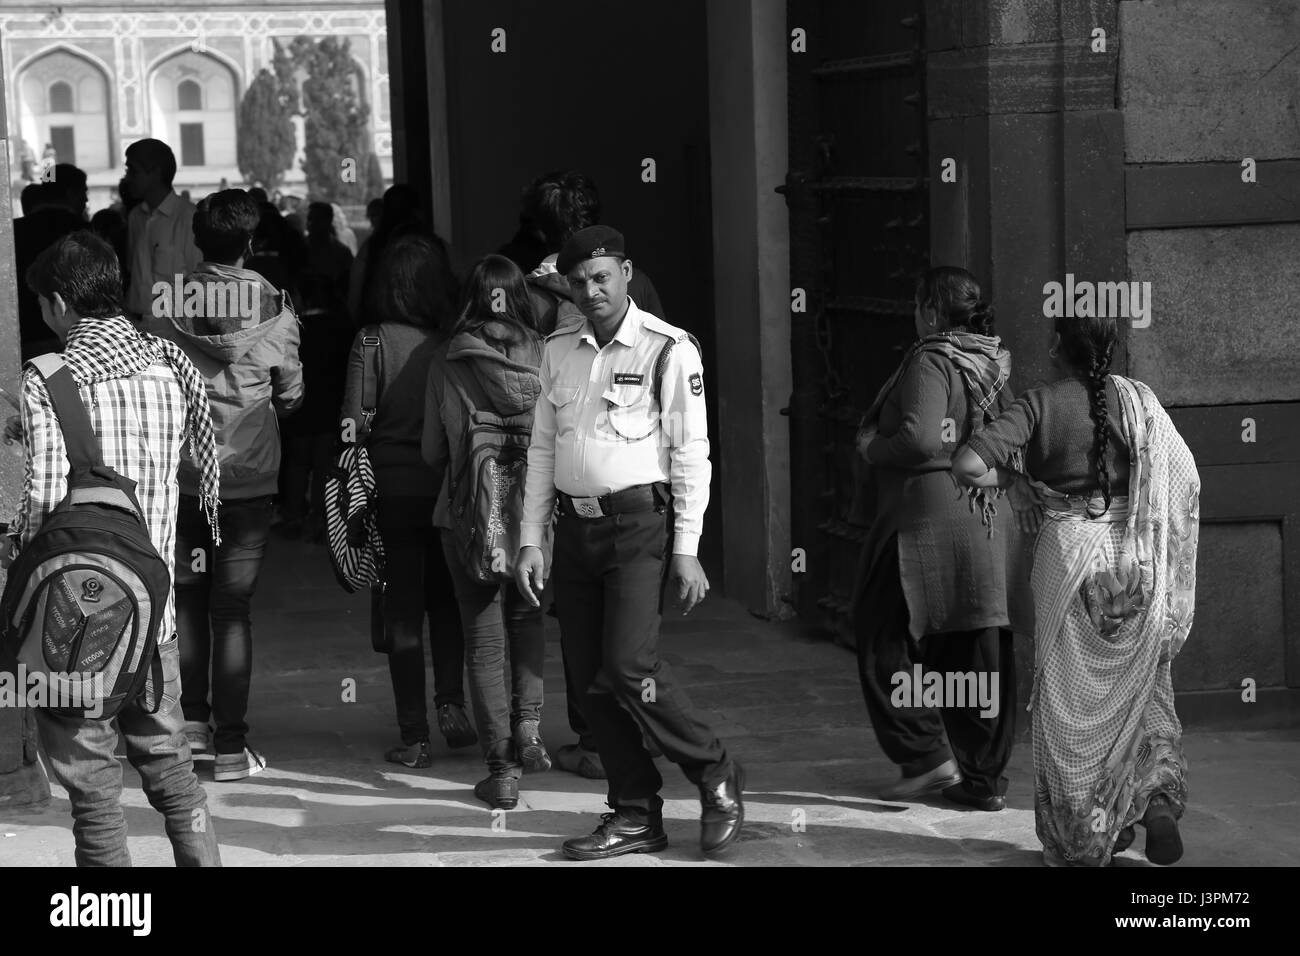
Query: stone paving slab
x,y
787,705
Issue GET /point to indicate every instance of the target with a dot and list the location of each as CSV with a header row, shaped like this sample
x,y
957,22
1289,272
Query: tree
x,y
337,150
266,137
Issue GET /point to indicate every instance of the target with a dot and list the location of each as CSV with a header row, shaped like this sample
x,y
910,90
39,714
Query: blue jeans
x,y
213,619
496,616
79,753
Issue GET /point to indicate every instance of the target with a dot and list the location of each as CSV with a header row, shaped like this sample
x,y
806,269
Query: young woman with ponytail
x,y
1114,578
932,581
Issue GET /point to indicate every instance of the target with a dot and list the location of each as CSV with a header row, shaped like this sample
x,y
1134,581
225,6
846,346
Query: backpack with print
x,y
85,598
486,497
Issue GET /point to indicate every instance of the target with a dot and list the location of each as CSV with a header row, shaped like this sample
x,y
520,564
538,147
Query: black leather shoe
x,y
616,836
958,793
723,812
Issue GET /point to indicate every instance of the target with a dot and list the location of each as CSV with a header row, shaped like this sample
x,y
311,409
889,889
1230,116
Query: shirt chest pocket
x,y
563,397
632,415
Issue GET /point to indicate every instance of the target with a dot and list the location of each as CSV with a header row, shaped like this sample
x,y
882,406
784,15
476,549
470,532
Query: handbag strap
x,y
371,370
78,434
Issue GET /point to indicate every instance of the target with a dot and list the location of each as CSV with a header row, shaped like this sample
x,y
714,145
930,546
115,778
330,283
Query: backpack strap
x,y
78,434
372,366
453,376
661,365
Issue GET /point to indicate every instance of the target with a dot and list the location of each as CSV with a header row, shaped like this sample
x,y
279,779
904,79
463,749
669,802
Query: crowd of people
x,y
559,350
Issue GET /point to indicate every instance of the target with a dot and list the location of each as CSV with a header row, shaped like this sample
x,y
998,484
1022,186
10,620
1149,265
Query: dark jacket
x,y
395,431
502,363
249,365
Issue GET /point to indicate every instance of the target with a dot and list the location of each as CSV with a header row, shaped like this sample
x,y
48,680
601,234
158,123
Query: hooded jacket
x,y
503,362
245,346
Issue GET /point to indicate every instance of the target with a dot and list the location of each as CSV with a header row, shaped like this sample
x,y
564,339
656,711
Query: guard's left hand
x,y
692,585
7,553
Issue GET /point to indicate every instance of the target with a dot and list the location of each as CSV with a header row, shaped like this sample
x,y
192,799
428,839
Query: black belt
x,y
639,498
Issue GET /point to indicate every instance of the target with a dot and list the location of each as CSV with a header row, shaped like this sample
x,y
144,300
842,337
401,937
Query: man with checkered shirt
x,y
145,401
620,444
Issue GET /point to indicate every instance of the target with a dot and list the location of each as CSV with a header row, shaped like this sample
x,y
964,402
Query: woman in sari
x,y
1114,580
931,594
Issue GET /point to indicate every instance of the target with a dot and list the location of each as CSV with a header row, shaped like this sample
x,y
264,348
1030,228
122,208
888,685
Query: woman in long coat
x,y
935,653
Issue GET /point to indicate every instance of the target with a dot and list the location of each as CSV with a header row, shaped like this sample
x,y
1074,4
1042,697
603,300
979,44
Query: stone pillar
x,y
22,781
1017,95
751,260
1019,98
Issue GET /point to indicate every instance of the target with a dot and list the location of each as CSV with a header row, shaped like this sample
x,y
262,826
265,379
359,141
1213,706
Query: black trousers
x,y
914,737
419,587
608,574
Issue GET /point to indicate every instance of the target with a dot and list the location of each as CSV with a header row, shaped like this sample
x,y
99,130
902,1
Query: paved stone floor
x,y
788,706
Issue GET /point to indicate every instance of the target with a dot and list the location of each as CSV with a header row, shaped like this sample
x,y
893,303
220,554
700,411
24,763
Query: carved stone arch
x,y
162,108
236,71
33,60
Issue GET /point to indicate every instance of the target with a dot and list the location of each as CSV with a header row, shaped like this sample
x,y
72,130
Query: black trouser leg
x,y
981,745
608,576
912,737
573,696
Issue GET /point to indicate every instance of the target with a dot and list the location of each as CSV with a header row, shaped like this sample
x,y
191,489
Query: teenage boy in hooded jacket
x,y
242,335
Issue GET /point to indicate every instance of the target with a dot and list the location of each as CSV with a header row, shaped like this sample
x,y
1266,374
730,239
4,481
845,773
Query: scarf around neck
x,y
100,350
984,366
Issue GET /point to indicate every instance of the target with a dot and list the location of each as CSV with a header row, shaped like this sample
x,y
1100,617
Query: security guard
x,y
619,439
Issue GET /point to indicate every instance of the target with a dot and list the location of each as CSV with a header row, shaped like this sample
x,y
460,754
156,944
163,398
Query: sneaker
x,y
529,749
454,725
417,756
200,738
238,766
499,793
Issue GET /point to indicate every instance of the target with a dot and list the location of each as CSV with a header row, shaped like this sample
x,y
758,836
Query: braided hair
x,y
1088,344
955,296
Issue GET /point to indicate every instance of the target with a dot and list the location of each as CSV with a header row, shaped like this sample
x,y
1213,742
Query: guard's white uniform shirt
x,y
598,426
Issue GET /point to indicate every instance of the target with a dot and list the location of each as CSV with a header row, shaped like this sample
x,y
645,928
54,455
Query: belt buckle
x,y
588,507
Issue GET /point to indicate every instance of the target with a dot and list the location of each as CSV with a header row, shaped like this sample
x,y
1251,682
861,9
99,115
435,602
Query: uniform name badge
x,y
588,507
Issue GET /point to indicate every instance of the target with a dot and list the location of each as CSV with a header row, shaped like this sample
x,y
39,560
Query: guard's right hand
x,y
13,430
530,574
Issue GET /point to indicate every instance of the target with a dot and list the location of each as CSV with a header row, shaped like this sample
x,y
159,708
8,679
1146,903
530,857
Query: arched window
x,y
60,97
189,95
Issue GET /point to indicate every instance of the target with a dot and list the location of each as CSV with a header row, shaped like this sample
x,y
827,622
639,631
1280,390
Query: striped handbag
x,y
351,497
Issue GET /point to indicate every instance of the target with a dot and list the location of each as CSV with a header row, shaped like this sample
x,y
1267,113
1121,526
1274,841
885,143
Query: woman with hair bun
x,y
1114,577
931,594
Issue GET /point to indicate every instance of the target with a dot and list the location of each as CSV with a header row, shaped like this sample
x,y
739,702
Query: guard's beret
x,y
590,243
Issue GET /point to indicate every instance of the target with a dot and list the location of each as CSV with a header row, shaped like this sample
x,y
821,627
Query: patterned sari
x,y
1114,595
